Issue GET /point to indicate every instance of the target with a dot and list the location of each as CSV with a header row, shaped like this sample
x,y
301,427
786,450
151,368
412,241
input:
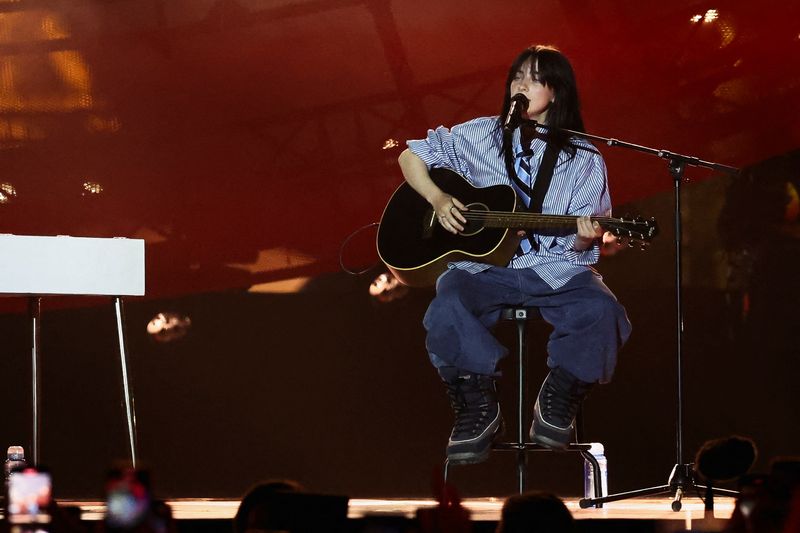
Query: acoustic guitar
x,y
416,249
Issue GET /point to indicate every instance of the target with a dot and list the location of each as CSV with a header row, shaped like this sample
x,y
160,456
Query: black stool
x,y
521,315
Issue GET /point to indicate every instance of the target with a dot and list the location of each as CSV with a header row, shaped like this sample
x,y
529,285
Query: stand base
x,y
522,462
681,481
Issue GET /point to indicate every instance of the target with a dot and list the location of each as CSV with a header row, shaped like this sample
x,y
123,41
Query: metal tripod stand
x,y
681,479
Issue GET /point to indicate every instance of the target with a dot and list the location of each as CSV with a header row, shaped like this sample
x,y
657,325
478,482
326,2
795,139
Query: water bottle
x,y
15,460
598,452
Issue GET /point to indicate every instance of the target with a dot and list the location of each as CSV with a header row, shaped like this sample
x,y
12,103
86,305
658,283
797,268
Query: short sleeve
x,y
441,149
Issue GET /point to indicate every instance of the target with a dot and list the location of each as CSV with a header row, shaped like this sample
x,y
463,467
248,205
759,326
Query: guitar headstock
x,y
633,231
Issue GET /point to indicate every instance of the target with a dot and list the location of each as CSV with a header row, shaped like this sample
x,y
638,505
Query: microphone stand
x,y
681,479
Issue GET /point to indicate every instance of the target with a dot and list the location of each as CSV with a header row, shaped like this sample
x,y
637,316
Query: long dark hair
x,y
554,71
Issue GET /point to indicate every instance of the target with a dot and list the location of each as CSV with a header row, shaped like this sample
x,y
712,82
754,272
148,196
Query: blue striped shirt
x,y
579,187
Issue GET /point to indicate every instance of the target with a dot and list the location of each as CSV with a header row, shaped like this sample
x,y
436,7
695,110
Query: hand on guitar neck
x,y
588,231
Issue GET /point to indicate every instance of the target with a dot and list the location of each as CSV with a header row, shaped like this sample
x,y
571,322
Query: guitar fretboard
x,y
509,219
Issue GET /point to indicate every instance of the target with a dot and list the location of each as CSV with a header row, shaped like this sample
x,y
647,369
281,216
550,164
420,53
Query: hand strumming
x,y
448,212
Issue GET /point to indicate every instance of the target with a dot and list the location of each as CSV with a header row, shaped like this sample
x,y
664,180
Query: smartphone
x,y
128,499
30,495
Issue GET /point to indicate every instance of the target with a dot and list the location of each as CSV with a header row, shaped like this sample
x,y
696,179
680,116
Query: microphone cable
x,y
344,244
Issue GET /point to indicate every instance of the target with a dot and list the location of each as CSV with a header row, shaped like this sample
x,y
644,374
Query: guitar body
x,y
416,249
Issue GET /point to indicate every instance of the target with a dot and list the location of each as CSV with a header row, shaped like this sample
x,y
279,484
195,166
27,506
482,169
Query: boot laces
x,y
559,406
472,399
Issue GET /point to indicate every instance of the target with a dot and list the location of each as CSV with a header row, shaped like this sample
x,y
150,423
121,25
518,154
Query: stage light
x,y
711,15
168,326
386,288
7,193
696,18
390,143
727,33
91,188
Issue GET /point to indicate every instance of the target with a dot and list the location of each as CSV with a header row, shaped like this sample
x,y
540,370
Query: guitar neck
x,y
508,219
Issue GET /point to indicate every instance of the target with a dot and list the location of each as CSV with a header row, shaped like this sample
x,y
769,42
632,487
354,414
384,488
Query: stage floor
x,y
481,509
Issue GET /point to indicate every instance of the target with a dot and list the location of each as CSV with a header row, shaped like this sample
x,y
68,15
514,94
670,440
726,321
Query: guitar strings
x,y
544,218
641,228
556,219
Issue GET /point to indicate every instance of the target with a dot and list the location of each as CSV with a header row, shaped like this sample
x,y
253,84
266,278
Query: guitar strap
x,y
540,186
543,178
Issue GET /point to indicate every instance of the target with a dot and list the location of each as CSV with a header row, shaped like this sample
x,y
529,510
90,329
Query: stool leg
x,y
126,386
35,311
597,489
522,470
522,456
579,425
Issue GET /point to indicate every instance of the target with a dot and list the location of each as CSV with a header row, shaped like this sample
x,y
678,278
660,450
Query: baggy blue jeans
x,y
590,325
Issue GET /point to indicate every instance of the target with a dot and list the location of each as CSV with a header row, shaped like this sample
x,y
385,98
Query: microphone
x,y
519,103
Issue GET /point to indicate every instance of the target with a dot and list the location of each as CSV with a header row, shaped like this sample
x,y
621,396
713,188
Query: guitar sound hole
x,y
474,225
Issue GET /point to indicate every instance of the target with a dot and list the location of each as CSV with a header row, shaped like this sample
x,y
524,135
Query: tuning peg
x,y
630,244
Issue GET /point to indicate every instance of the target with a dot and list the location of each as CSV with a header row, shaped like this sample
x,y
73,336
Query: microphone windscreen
x,y
522,100
725,459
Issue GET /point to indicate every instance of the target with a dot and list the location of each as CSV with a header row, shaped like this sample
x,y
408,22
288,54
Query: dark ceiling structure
x,y
245,139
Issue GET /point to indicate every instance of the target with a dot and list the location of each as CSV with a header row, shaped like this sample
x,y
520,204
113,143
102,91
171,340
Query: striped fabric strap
x,y
532,194
522,184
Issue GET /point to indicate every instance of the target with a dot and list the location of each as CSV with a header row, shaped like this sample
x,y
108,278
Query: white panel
x,y
71,265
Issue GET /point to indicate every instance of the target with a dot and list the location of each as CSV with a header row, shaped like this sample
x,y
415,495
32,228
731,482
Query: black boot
x,y
558,402
478,419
